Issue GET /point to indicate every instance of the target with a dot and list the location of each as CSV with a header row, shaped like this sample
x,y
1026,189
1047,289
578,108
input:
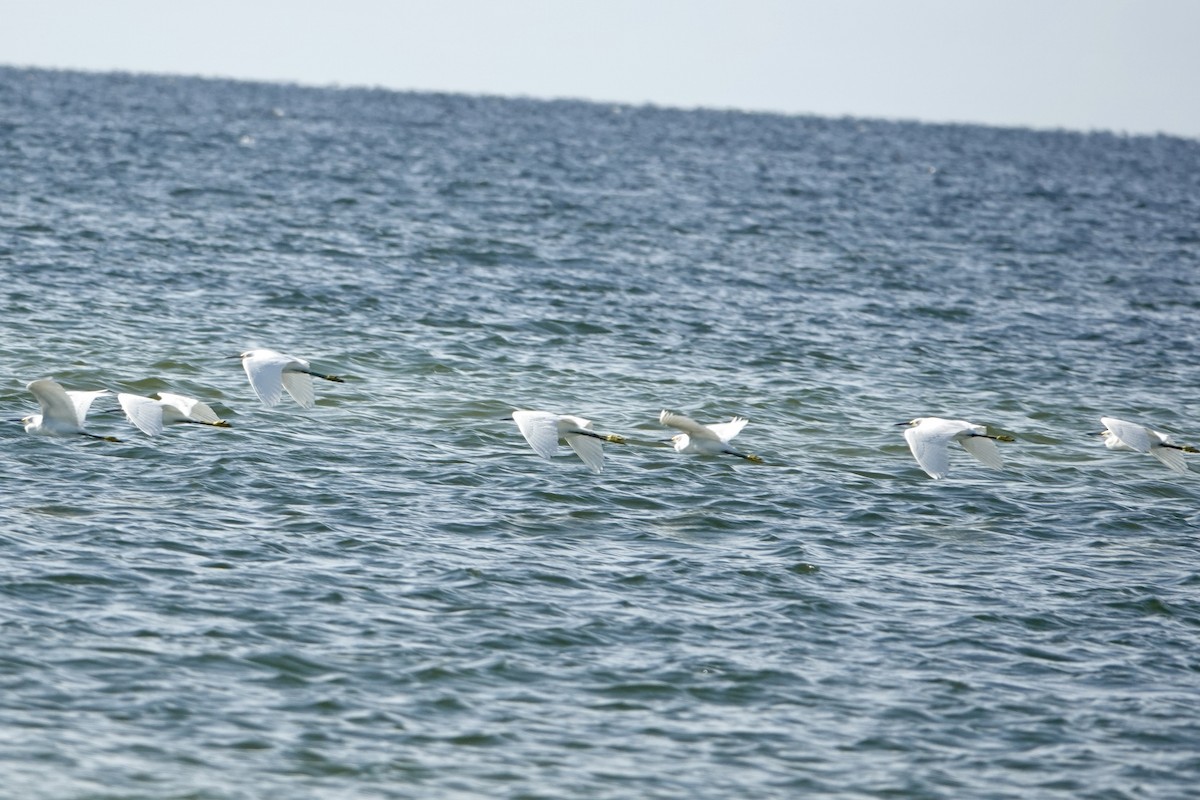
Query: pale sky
x,y
1123,65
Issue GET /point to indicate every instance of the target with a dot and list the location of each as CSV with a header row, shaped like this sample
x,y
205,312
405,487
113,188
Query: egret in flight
x,y
63,412
711,439
543,429
1121,435
150,415
271,372
929,439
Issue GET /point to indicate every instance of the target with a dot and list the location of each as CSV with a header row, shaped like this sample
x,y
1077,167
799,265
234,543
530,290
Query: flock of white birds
x,y
271,373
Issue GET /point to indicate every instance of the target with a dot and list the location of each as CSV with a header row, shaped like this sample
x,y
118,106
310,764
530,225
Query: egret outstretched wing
x,y
590,449
983,449
300,386
1170,457
540,429
59,408
264,368
727,430
145,413
686,424
930,451
82,401
190,407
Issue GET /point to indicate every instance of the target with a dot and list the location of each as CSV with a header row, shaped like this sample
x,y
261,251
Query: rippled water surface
x,y
391,595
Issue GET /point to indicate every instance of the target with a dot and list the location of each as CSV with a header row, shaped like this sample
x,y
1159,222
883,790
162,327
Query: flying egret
x,y
543,429
271,372
1121,435
711,439
63,412
929,439
150,415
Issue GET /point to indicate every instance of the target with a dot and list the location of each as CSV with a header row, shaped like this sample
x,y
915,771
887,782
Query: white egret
x,y
150,415
1121,435
63,412
710,439
542,430
271,372
929,439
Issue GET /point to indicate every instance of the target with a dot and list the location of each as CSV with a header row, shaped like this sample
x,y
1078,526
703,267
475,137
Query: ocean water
x,y
391,595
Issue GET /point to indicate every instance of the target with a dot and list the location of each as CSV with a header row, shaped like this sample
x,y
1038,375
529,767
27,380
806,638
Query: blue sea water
x,y
391,595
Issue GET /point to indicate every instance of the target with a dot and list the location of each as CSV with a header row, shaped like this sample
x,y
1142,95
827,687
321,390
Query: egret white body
x,y
711,439
150,415
63,412
1121,435
543,429
271,372
929,439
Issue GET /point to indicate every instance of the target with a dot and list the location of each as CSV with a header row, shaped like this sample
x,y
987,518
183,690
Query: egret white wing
x,y
727,430
540,429
685,424
191,407
82,401
300,386
1171,457
589,449
266,378
145,414
929,451
1134,436
983,449
56,404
